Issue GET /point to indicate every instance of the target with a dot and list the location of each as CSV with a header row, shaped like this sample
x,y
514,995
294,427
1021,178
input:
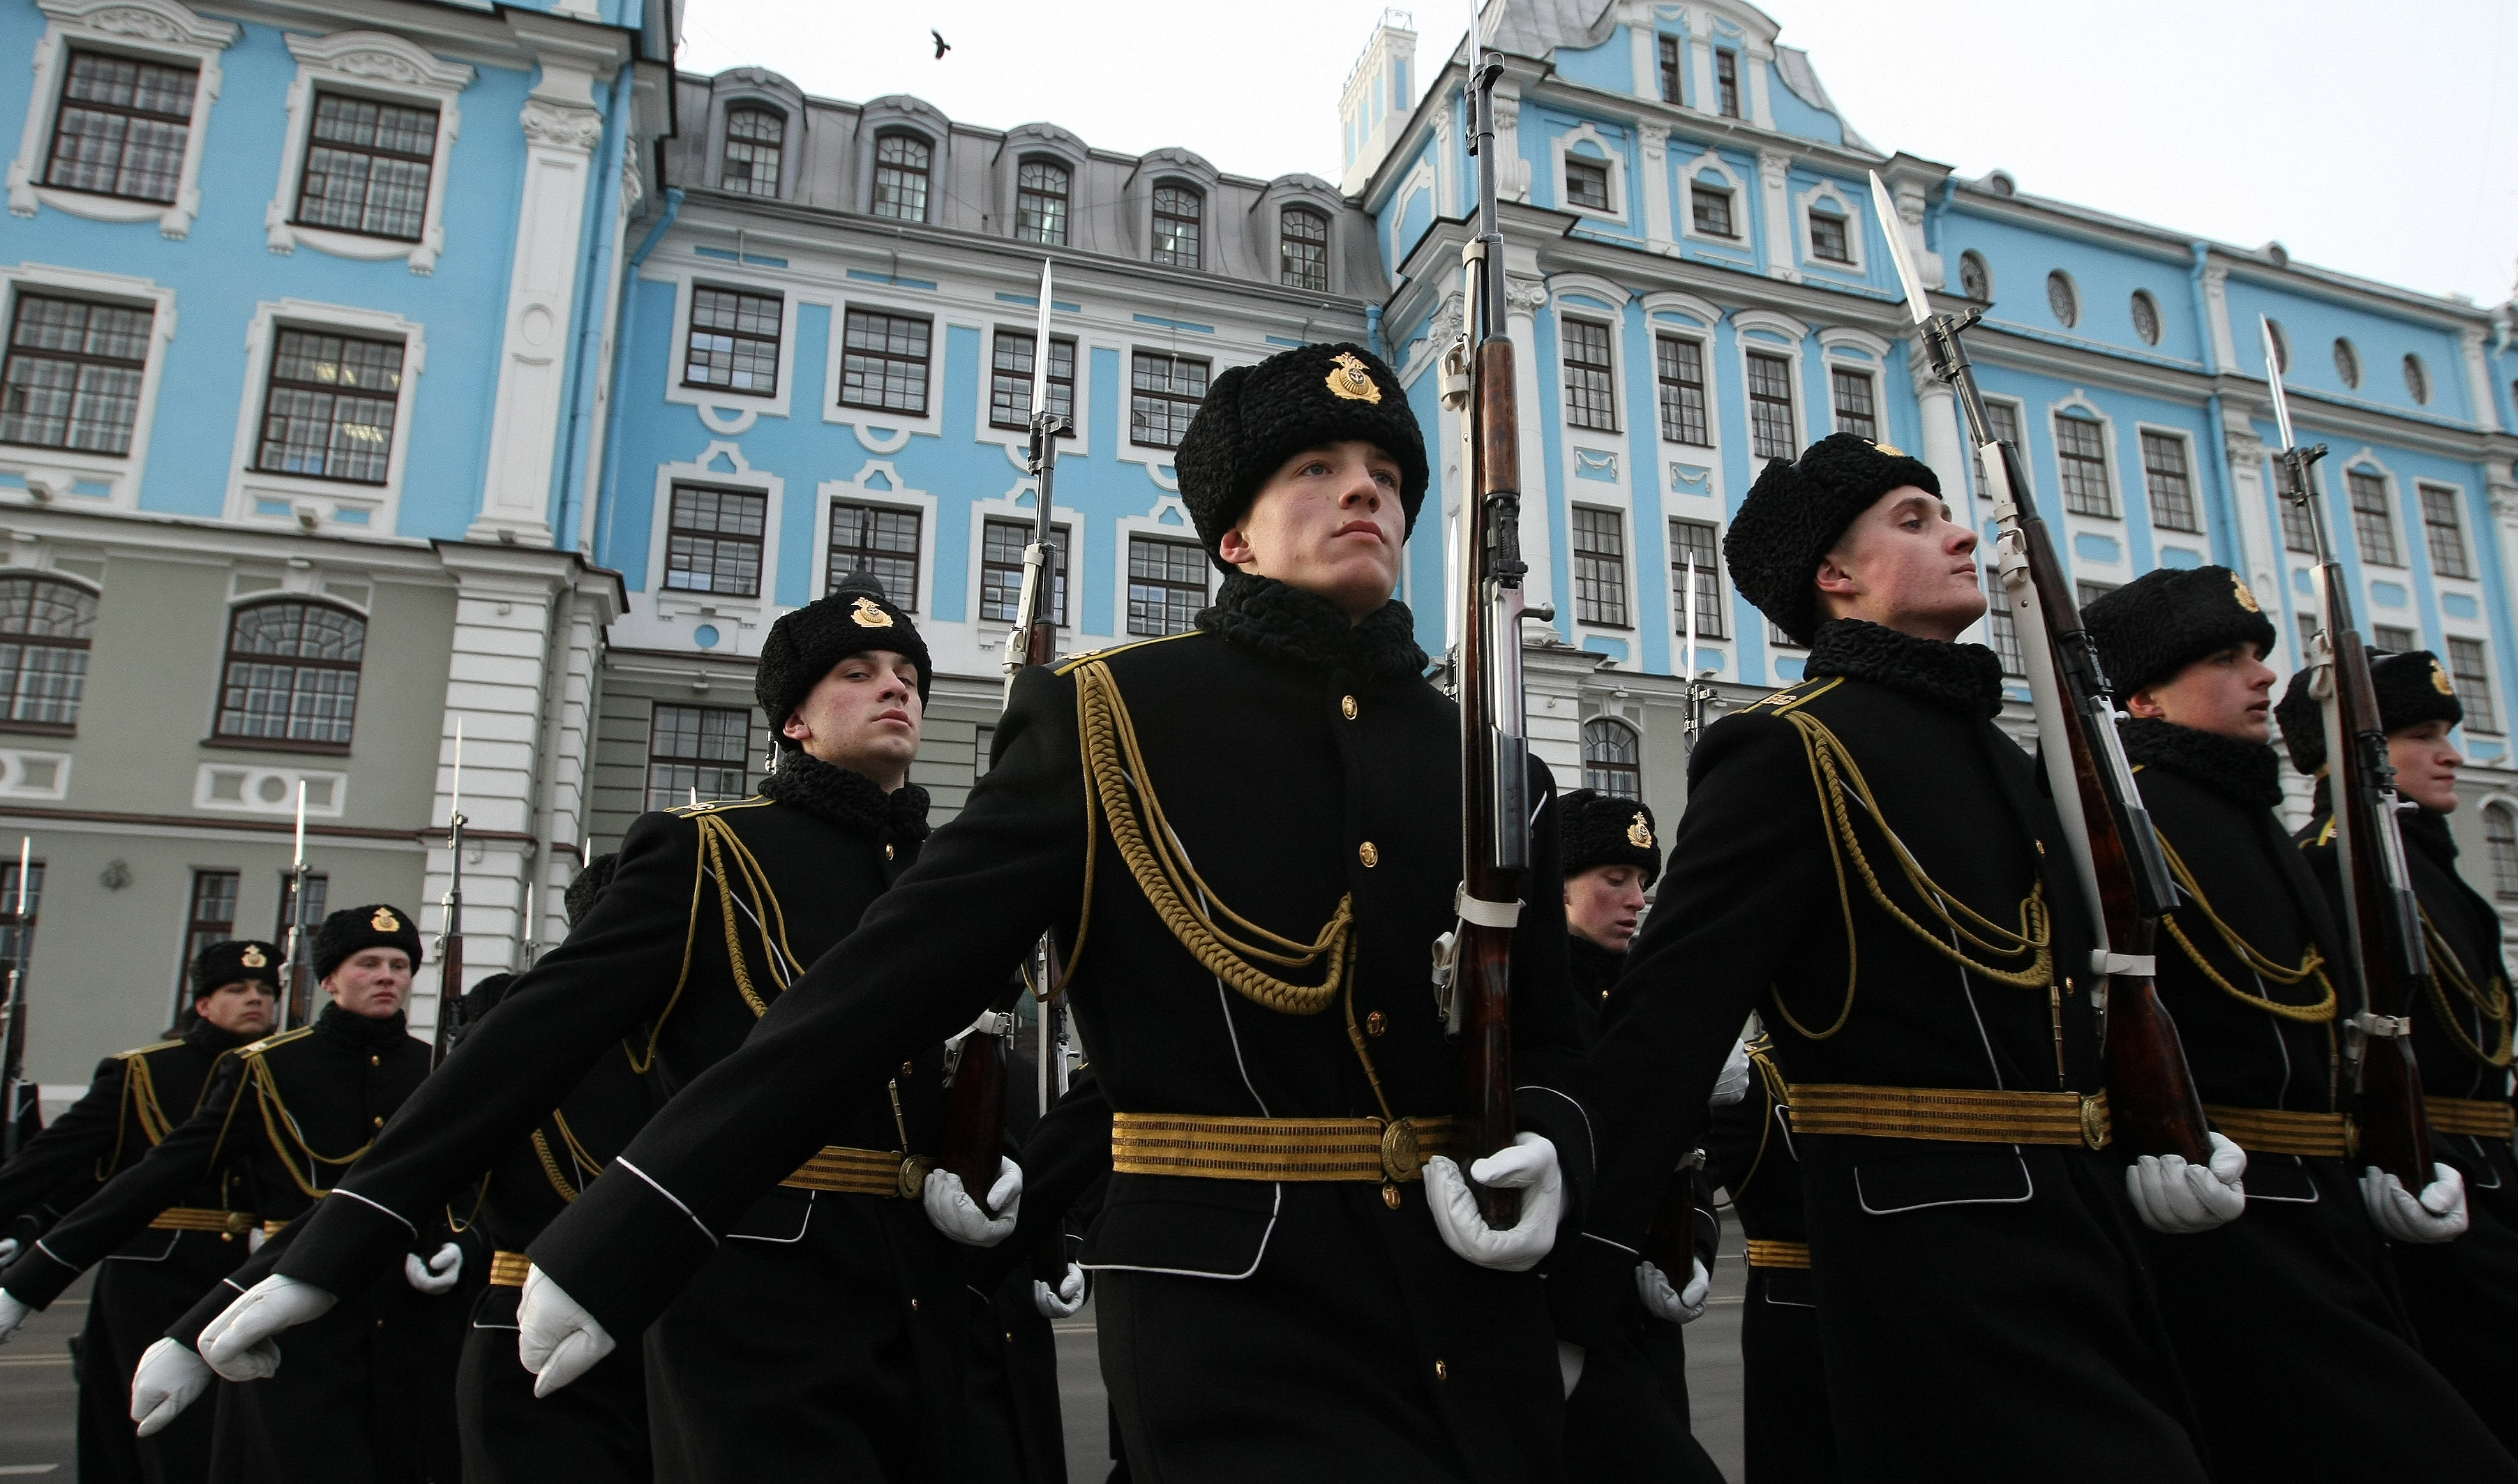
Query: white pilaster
x,y
1447,163
1512,171
1552,675
2260,548
2478,379
1943,448
2216,307
1656,184
1523,296
1755,62
1782,237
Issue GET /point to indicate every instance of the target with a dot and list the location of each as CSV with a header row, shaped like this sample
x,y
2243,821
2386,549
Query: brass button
x,y
1375,1024
1369,853
380,1121
889,854
1346,706
1441,1373
913,1306
373,1061
1390,1196
906,1068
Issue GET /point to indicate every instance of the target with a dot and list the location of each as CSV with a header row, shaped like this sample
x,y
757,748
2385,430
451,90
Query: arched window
x,y
755,147
2347,362
1179,209
1041,191
2145,317
2500,833
292,674
1612,758
2417,379
901,165
2062,298
45,628
1303,240
1974,280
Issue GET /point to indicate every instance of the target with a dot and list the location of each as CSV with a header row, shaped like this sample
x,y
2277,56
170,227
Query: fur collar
x,y
834,795
203,1036
1595,968
2242,773
2427,831
1267,617
361,1033
1965,677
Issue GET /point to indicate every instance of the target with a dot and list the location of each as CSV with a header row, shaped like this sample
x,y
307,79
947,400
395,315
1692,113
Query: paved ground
x,y
38,1401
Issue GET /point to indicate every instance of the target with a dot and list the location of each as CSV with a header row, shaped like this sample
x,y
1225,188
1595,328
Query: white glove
x,y
12,1315
1063,1301
1672,1305
2437,1216
170,1379
1528,1166
1733,1085
438,1274
242,1344
1569,1365
2178,1199
556,1339
8,1250
951,1210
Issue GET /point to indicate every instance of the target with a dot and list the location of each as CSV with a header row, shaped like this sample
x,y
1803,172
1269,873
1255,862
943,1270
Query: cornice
x,y
503,38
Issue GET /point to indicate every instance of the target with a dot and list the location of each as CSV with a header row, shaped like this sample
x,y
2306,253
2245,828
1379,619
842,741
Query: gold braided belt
x,y
1376,1150
2280,1132
1955,1115
507,1269
2481,1117
1778,1254
229,1225
861,1172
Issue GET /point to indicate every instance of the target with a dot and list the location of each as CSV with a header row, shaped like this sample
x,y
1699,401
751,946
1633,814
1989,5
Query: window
x,y
883,362
1590,399
20,911
1010,381
1178,211
319,891
1668,51
713,545
1166,584
1678,364
2417,379
1974,280
1692,545
2307,620
2146,318
2172,492
122,127
2445,529
2282,345
984,740
2500,833
2002,628
2373,523
211,918
1164,394
328,411
1776,636
1599,567
292,674
1711,207
1001,570
2469,669
2086,594
367,167
696,752
1303,248
2003,419
876,539
901,163
2347,364
1612,758
1726,83
734,340
1856,411
1041,193
1586,183
755,142
1828,240
45,628
2393,639
2081,450
1770,406
2299,530
2063,300
72,375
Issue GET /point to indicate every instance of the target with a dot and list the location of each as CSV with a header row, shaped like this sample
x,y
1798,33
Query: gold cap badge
x,y
1891,449
2247,599
384,921
252,957
1639,833
1352,381
2440,680
869,614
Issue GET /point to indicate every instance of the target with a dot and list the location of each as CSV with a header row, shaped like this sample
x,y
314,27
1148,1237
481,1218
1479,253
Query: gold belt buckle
x,y
1403,1156
913,1175
2094,1121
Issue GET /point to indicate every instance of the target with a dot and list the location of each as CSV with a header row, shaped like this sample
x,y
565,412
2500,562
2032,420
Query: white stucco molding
x,y
156,30
256,496
1621,207
386,68
53,476
1851,208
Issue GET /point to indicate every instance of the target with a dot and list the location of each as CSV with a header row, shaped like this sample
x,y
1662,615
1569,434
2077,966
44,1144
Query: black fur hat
x,y
853,616
235,961
351,929
2163,620
2412,687
1595,829
1797,510
589,886
1255,418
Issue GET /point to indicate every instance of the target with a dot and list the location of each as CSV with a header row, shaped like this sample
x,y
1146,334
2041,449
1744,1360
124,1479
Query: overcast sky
x,y
2379,142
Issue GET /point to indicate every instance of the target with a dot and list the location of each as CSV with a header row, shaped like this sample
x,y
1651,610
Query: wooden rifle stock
x,y
975,1103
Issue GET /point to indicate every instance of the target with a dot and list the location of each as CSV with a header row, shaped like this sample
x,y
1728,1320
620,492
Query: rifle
x,y
450,938
297,994
2379,909
2115,851
16,1092
1473,962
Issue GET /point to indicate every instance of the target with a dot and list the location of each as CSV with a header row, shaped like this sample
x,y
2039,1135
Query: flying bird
x,y
942,44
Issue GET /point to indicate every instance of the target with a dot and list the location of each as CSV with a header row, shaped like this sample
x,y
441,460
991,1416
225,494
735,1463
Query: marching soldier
x,y
822,1336
132,1103
2462,1295
2288,1314
1294,1278
1867,862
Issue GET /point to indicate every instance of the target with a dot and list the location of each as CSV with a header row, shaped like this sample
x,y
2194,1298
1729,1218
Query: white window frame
x,y
156,30
751,95
1685,316
1612,319
746,617
1611,156
1745,239
730,415
389,69
317,505
51,476
2118,526
2202,531
1861,351
881,431
1726,644
1016,443
1798,335
1149,523
1855,233
896,493
986,632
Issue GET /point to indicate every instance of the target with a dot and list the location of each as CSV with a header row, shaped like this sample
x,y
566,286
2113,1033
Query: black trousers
x,y
2462,1295
1628,1417
591,1431
362,1397
130,1307
1789,1431
1012,1376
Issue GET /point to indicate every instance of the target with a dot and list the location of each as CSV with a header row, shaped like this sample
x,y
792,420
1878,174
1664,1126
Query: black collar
x,y
2428,831
210,1039
1267,617
837,795
1595,968
1964,678
359,1032
2242,773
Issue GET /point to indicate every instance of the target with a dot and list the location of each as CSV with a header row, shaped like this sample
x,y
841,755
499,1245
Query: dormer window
x,y
903,163
1303,242
1828,240
1712,209
1586,183
1726,83
755,145
1179,211
1041,193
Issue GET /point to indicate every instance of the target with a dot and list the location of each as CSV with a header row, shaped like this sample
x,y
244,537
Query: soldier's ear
x,y
1234,548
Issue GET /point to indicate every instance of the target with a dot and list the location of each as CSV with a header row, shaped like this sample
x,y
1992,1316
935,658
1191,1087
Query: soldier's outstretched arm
x,y
68,1148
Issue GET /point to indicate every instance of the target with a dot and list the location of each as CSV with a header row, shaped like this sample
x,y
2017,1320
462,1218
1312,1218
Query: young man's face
x,y
2229,693
1604,903
1329,521
2427,764
1904,564
241,1008
371,984
864,716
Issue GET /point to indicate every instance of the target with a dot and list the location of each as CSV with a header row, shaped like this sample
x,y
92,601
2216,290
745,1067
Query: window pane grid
x,y
1041,191
2469,667
1770,406
20,912
210,918
2373,524
879,540
1303,239
2500,832
1612,758
1178,211
1856,411
2002,627
901,172
45,630
1726,83
122,127
1166,584
2081,452
2003,418
329,412
734,340
1010,381
713,545
1164,394
72,375
1599,567
2163,474
696,749
1590,401
292,674
883,362
1711,205
1828,238
1001,570
319,891
1669,49
2443,529
1586,185
755,140
1691,542
1679,367
367,167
